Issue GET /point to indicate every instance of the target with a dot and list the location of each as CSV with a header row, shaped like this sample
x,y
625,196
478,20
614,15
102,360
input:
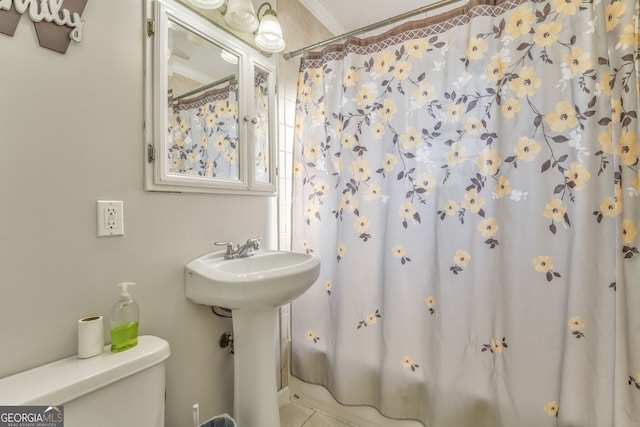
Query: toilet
x,y
124,389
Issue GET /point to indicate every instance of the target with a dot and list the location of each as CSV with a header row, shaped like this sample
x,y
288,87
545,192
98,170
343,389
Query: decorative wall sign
x,y
55,25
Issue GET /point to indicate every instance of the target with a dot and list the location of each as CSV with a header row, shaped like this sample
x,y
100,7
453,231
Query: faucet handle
x,y
255,242
230,251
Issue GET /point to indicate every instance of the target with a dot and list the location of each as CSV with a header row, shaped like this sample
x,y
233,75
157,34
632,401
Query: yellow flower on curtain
x,y
576,323
401,70
503,187
361,224
451,207
497,346
635,182
398,251
454,112
411,139
424,93
488,227
604,83
473,126
316,75
366,95
306,93
526,83
616,110
220,143
378,130
630,35
526,149
350,77
388,110
612,12
520,21
320,114
407,211
555,211
476,47
609,207
547,34
342,250
567,7
321,187
496,68
311,336
462,258
488,161
627,149
425,183
231,157
563,117
348,140
606,140
629,231
577,60
510,107
472,201
543,263
407,362
383,62
211,120
373,192
360,169
577,176
312,151
551,408
298,168
456,154
348,202
416,48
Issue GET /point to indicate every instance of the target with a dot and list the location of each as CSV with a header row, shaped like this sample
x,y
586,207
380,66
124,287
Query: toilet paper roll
x,y
90,337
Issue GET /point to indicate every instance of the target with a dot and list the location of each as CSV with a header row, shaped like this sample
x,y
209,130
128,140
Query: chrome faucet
x,y
246,250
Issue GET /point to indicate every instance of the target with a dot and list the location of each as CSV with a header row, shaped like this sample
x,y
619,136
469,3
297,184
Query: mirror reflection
x,y
203,126
261,136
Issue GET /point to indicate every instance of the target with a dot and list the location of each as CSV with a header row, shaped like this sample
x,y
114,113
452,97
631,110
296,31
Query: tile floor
x,y
293,414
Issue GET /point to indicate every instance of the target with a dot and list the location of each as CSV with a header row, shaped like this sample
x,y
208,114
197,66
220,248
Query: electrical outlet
x,y
110,218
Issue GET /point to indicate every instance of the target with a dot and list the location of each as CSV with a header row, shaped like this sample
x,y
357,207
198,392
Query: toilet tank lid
x,y
64,380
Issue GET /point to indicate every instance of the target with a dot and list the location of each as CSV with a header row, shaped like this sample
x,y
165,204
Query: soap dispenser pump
x,y
124,321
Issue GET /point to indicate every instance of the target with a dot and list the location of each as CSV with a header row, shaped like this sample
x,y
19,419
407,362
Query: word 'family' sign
x,y
56,24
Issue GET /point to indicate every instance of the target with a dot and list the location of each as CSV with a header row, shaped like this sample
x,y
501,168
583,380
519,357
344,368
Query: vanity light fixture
x,y
241,16
207,4
269,36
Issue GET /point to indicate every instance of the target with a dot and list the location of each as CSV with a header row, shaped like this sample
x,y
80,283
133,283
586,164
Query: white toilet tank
x,y
124,389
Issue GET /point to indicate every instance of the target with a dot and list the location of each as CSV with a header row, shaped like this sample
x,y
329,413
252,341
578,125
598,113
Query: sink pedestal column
x,y
255,395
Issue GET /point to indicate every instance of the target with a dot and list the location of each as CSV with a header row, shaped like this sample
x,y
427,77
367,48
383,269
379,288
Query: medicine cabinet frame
x,y
254,139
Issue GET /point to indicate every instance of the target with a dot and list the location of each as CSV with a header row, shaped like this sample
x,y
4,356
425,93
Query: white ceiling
x,y
342,16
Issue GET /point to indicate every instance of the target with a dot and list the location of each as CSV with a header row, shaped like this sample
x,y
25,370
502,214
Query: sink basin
x,y
266,279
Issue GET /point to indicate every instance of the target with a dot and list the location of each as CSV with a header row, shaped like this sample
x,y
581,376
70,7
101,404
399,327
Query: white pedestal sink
x,y
253,288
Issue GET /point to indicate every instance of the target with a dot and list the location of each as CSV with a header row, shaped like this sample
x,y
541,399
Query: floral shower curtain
x,y
204,131
471,185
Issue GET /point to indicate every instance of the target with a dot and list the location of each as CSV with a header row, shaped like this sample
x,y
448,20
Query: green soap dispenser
x,y
124,321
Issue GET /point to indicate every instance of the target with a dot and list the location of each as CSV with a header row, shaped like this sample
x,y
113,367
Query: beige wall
x,y
71,132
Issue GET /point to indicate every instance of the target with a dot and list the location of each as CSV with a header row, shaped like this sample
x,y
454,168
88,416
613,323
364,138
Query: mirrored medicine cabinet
x,y
210,107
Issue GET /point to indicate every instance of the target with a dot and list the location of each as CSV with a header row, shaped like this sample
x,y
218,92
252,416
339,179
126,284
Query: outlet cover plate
x,y
110,218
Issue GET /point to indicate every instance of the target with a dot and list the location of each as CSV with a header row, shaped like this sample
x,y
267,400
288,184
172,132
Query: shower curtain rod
x,y
371,27
205,87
